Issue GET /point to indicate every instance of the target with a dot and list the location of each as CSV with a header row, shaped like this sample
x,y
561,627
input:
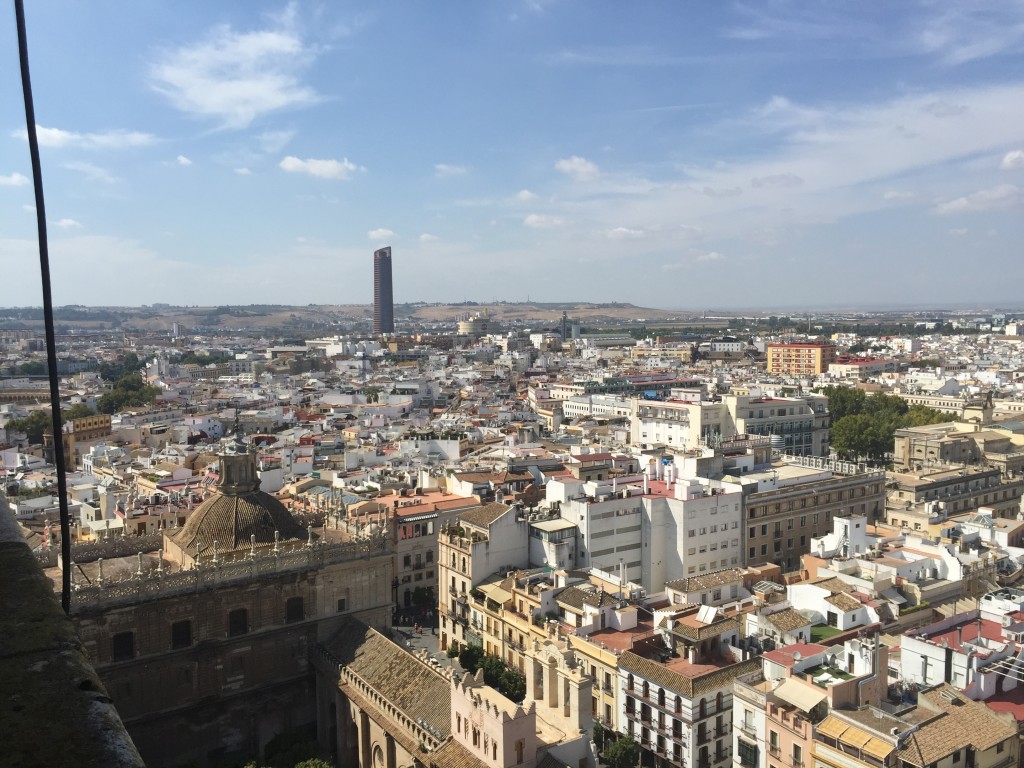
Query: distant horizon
x,y
469,304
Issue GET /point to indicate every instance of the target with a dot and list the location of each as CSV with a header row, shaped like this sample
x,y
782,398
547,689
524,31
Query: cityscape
x,y
646,391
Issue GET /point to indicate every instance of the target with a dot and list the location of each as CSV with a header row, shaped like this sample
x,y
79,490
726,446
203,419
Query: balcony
x,y
749,729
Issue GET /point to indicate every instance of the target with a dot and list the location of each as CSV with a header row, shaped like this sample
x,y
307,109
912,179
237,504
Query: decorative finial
x,y
139,572
198,554
277,542
309,541
99,577
160,564
252,546
216,552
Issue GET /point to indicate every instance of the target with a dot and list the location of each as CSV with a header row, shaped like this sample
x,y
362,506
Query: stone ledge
x,y
53,707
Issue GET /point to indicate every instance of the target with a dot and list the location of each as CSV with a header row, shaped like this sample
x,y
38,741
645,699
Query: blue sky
x,y
670,154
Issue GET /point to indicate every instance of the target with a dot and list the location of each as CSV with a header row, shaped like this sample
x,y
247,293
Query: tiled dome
x,y
231,520
239,511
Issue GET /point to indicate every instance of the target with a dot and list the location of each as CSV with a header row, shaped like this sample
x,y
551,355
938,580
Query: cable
x,y
51,342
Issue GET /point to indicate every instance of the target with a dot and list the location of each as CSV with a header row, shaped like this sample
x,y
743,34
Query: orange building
x,y
803,359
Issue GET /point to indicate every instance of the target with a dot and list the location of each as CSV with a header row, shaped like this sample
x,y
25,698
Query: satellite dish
x,y
797,656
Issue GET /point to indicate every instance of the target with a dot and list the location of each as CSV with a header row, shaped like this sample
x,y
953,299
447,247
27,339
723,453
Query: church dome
x,y
238,511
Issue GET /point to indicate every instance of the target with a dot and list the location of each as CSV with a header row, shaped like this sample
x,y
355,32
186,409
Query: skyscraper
x,y
383,300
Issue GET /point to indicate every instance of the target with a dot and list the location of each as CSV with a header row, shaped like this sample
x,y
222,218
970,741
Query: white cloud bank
x,y
324,169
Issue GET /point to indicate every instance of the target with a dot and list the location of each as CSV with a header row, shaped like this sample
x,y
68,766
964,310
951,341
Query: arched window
x,y
703,708
661,697
718,702
679,703
647,689
629,682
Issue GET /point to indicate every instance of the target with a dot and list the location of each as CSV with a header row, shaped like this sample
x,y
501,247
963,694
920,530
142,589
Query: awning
x,y
893,596
495,593
878,749
803,697
832,727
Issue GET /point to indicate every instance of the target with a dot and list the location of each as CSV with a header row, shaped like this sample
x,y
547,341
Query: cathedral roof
x,y
231,520
239,511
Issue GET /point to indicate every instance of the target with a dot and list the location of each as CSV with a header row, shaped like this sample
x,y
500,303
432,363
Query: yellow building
x,y
800,359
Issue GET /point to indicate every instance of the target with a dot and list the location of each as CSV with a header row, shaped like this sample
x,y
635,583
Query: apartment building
x,y
957,489
800,359
799,425
796,500
677,703
655,531
466,557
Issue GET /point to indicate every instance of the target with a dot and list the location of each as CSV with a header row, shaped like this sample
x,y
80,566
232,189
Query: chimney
x,y
647,483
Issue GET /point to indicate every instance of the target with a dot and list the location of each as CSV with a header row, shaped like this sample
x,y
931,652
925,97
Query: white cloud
x,y
1013,160
729,192
944,109
999,197
957,231
28,208
578,168
236,77
92,172
243,171
624,233
14,180
69,224
710,256
444,170
428,238
324,169
380,234
525,196
777,180
542,221
182,160
272,142
896,194
117,139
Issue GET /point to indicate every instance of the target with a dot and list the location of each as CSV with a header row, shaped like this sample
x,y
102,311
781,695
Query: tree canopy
x,y
623,753
130,391
864,426
38,422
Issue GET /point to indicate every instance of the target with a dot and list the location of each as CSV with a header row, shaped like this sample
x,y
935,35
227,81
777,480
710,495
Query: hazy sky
x,y
671,154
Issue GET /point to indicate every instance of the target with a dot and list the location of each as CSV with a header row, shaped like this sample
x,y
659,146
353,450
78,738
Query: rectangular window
x,y
123,646
181,634
293,611
238,622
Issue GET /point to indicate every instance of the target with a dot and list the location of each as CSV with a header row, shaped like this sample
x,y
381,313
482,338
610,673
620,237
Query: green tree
x,y
32,425
77,411
843,401
130,363
493,668
32,368
470,658
513,685
623,753
130,391
600,734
